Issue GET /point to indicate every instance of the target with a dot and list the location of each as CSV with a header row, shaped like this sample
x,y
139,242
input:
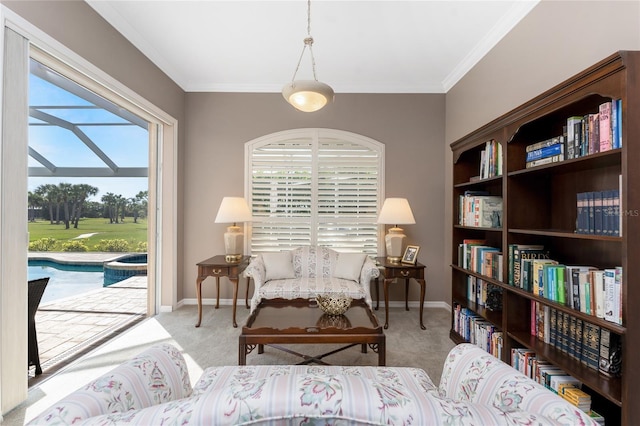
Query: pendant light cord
x,y
308,41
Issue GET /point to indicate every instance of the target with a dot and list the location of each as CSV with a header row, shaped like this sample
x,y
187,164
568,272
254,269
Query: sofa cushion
x,y
314,261
349,266
278,265
309,288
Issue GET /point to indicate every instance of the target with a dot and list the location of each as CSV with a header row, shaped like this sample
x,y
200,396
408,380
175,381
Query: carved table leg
x,y
406,294
218,292
235,298
422,291
199,298
386,302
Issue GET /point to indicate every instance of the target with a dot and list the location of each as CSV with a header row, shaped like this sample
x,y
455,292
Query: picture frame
x,y
410,255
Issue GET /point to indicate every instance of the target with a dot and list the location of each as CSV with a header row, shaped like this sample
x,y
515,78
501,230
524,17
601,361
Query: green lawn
x,y
132,233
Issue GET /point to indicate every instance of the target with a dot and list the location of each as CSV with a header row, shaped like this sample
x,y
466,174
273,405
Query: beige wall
x,y
556,40
219,124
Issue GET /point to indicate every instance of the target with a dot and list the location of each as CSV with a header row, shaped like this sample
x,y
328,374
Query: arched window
x,y
314,187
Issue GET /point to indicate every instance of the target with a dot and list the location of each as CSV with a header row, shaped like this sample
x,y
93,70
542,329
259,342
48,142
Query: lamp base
x,y
394,241
233,244
233,258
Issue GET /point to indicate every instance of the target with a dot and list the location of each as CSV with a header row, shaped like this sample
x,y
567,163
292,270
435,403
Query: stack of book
x,y
545,152
575,396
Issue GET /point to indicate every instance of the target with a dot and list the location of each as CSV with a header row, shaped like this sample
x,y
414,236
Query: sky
x,y
126,144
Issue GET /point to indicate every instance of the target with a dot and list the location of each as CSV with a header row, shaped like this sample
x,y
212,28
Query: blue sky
x,y
126,145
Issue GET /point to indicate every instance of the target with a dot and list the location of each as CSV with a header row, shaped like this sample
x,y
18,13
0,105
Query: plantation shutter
x,y
315,187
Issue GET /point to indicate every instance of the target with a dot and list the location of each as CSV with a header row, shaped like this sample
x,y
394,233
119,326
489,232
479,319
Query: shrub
x,y
118,245
141,247
74,246
43,244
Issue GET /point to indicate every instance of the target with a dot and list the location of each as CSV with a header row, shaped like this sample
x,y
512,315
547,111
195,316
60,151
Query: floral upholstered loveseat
x,y
153,389
308,271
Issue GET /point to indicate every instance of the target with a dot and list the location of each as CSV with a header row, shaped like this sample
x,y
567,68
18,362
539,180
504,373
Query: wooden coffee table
x,y
283,321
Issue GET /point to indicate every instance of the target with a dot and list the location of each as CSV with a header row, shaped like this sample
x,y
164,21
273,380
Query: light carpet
x,y
215,342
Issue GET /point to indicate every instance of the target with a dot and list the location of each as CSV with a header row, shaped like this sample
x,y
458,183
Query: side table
x,y
404,271
217,267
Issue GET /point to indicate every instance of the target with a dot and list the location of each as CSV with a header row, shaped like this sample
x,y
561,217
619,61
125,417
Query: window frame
x,y
315,135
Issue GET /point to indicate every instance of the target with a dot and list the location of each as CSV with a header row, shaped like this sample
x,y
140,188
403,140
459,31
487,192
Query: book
x,y
591,345
524,251
610,353
544,152
573,142
604,117
547,160
536,275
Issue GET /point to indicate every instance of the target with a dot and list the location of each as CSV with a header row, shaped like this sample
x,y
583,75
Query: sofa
x,y
308,271
153,388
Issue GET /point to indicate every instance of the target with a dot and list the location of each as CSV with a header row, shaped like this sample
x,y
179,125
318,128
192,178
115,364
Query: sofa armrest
x,y
155,376
258,272
369,271
470,374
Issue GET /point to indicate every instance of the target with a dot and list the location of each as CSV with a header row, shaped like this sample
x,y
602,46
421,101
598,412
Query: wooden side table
x,y
404,271
217,267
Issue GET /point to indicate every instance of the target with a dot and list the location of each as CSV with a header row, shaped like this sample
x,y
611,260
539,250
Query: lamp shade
x,y
233,210
396,211
307,95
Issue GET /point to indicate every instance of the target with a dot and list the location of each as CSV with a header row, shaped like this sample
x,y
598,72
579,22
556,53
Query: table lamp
x,y
233,210
395,211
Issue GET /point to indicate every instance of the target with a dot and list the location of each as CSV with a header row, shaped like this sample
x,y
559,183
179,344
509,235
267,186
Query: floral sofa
x,y
308,271
153,389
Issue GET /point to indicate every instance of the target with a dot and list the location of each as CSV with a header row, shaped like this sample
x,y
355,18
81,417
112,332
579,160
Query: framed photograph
x,y
410,255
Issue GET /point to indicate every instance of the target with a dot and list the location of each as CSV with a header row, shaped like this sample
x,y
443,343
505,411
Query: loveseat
x,y
308,271
153,389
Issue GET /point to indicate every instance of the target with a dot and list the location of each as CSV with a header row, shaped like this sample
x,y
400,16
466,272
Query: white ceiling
x,y
360,46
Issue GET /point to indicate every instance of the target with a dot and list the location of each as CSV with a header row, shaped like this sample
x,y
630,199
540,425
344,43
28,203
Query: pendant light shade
x,y
307,95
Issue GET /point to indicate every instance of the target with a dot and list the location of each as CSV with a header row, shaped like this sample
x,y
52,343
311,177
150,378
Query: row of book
x,y
476,256
479,209
593,291
596,132
583,135
476,330
490,160
554,379
598,213
594,346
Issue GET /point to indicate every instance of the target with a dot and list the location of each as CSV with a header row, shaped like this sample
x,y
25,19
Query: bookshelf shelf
x,y
565,234
583,373
541,207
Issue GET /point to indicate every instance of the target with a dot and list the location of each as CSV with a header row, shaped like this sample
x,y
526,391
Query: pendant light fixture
x,y
307,95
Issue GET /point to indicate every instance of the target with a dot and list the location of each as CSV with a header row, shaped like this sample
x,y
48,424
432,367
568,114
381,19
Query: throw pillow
x,y
278,266
349,265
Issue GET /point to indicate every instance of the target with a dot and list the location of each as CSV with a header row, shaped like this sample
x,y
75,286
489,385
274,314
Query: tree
x,y
66,194
35,202
109,200
138,205
50,196
81,192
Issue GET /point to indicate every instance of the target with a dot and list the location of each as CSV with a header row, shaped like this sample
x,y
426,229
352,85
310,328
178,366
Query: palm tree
x,y
35,202
81,192
66,194
49,194
109,200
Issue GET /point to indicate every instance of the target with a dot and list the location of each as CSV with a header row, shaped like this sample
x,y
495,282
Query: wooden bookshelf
x,y
540,208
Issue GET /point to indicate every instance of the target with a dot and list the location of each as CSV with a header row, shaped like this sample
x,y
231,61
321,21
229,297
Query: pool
x,y
73,279
66,280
